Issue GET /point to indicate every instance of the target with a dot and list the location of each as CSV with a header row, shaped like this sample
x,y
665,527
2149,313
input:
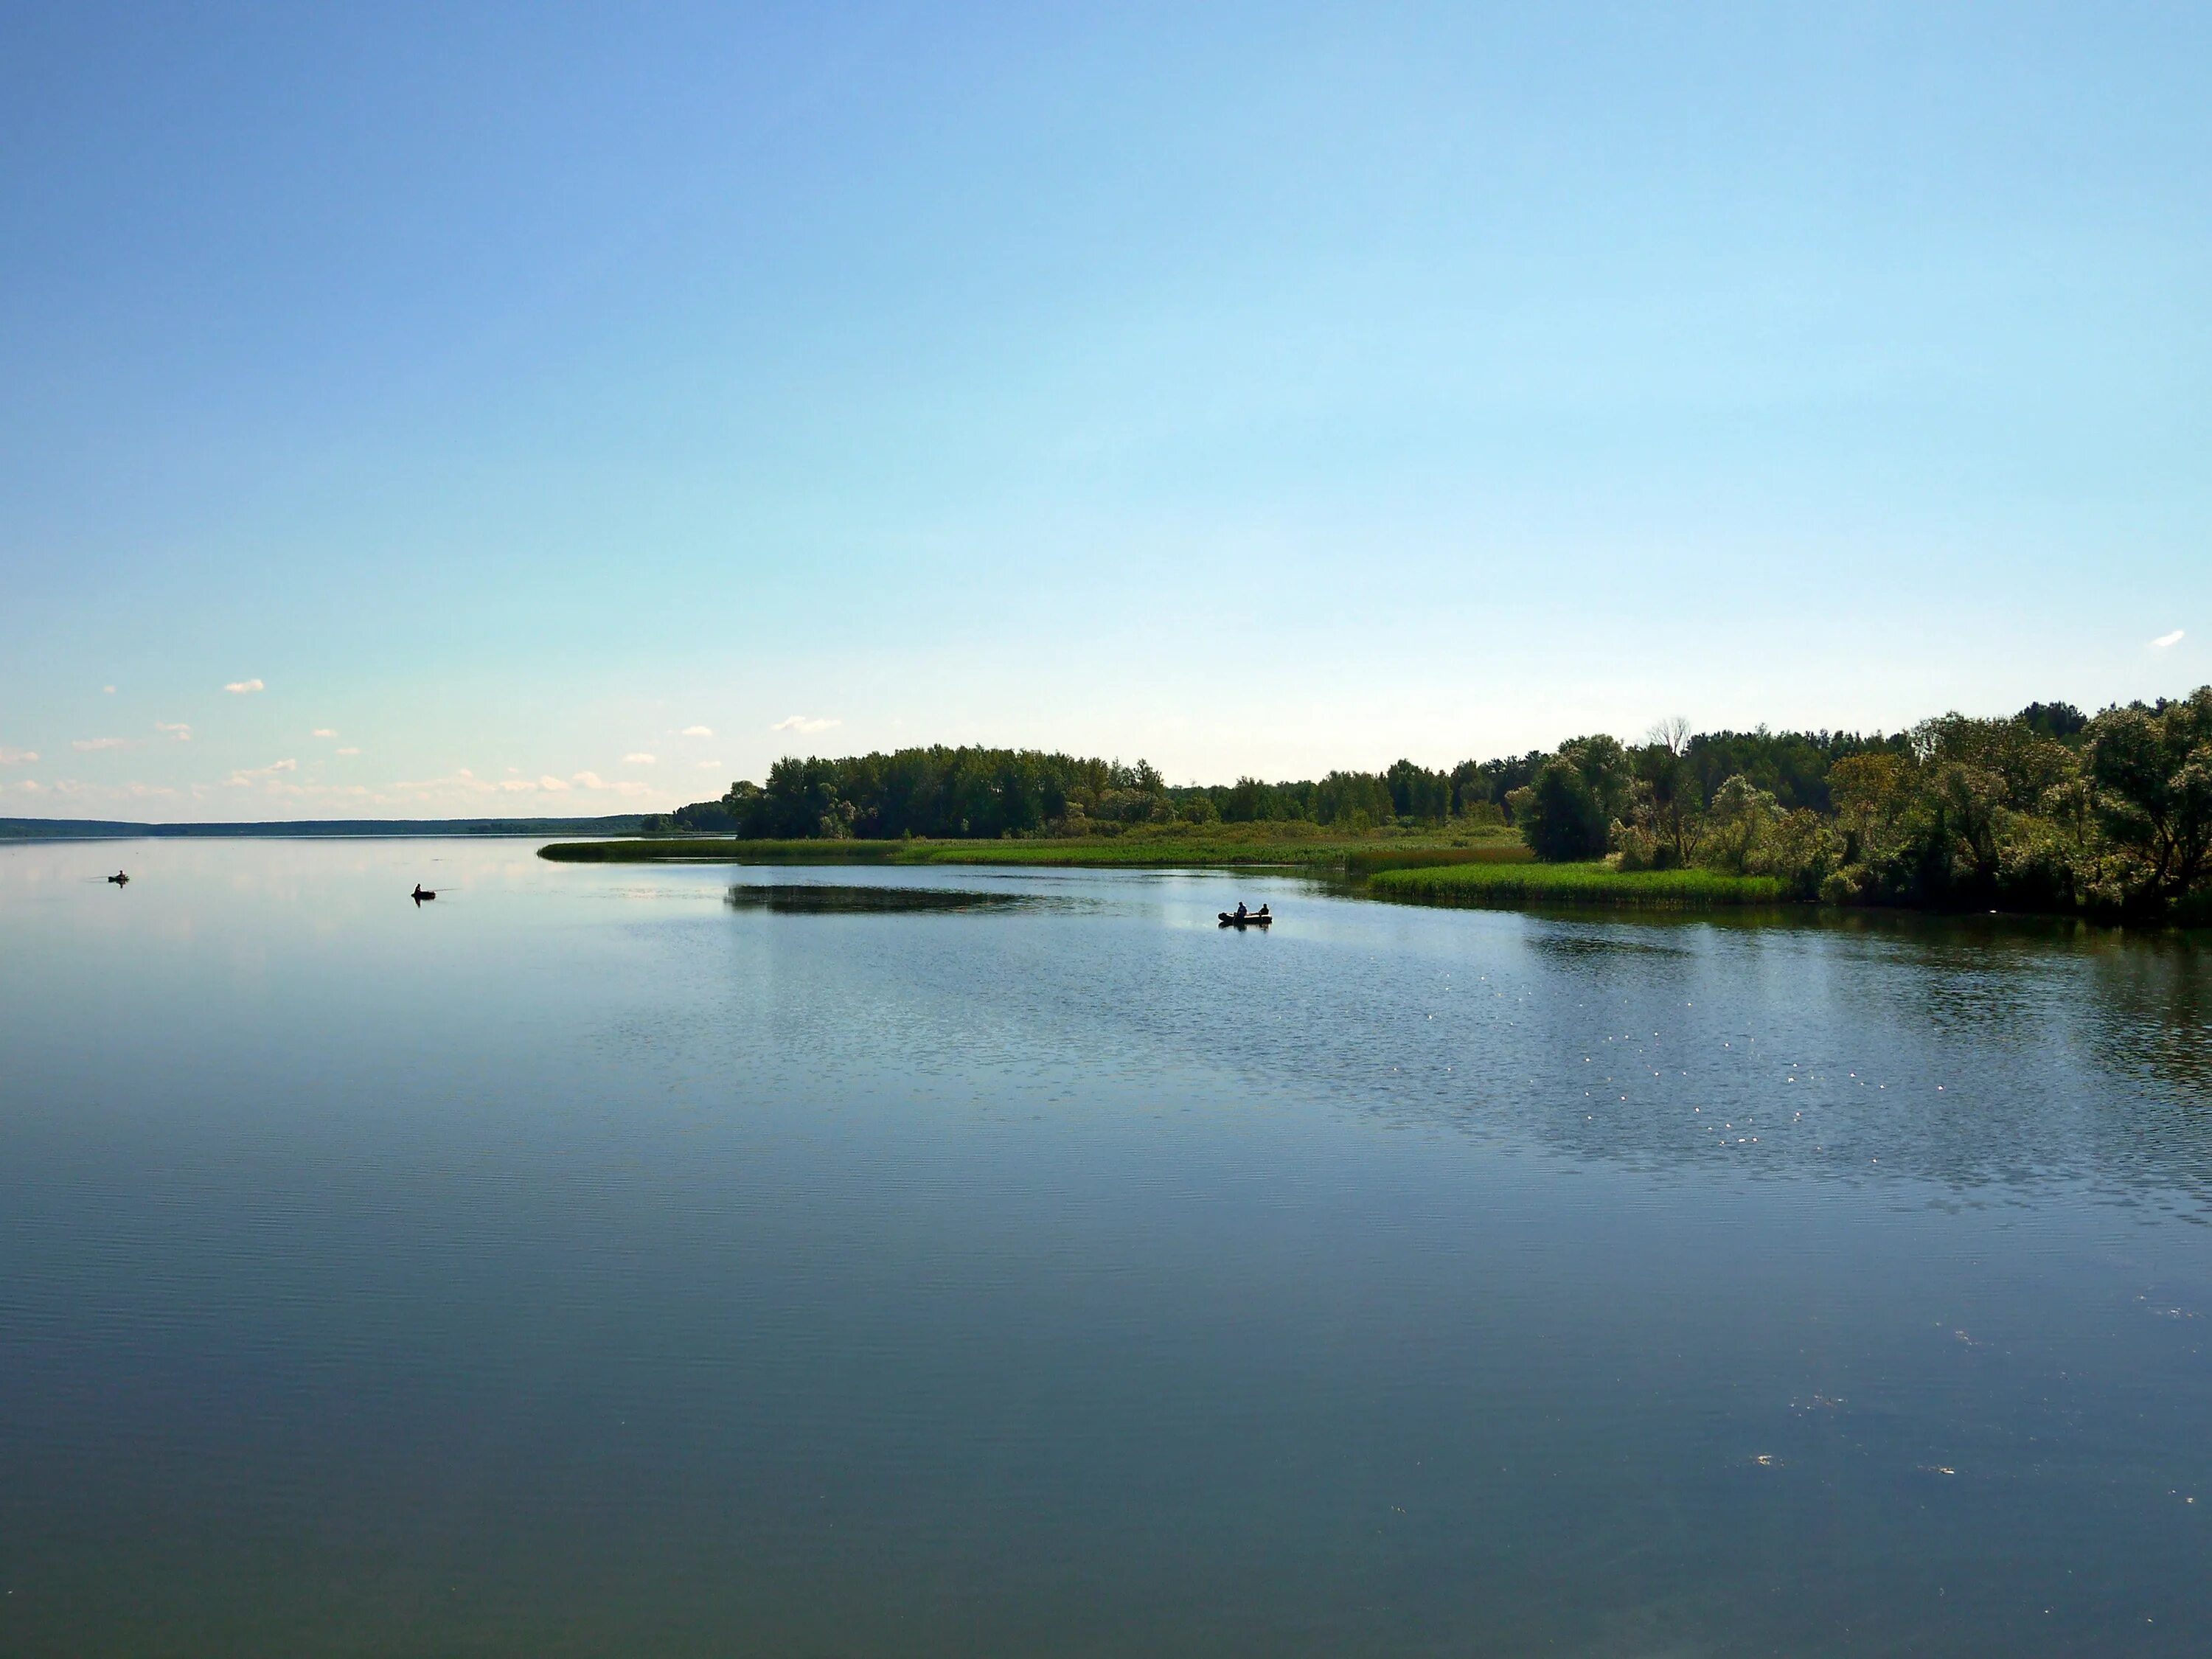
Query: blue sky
x,y
513,394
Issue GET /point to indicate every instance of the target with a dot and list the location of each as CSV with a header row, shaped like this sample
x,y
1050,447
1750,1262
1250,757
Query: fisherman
x,y
1240,909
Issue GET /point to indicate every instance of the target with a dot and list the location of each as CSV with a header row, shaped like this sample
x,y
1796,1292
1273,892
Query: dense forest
x,y
2048,810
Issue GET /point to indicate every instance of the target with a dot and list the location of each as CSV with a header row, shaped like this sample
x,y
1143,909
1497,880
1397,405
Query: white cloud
x,y
2167,641
178,729
550,783
75,790
17,757
640,760
247,777
804,724
698,732
243,688
108,690
516,785
348,752
462,779
322,732
87,745
619,787
710,766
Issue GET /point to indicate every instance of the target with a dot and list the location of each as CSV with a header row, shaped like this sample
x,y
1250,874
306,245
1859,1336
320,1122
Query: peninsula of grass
x,y
709,849
1512,884
1282,845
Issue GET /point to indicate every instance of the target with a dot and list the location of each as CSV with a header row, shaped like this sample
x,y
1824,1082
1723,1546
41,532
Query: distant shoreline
x,y
52,829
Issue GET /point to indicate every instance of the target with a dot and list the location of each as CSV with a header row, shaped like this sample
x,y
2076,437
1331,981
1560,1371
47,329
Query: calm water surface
x,y
603,1260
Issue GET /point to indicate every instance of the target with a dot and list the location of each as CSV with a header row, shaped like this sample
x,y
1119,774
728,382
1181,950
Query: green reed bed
x,y
1573,884
1281,846
1152,852
701,849
1370,860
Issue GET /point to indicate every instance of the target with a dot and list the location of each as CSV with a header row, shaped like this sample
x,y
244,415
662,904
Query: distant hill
x,y
620,824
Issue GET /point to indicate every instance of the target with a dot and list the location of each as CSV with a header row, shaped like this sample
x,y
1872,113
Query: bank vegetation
x,y
2048,810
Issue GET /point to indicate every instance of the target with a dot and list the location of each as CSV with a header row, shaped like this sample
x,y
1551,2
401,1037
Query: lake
x,y
625,1259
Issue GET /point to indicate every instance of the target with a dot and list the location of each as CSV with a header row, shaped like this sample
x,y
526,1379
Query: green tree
x,y
1666,797
2152,770
1559,815
1738,823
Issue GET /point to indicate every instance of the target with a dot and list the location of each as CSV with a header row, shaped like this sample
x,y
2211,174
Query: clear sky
x,y
420,410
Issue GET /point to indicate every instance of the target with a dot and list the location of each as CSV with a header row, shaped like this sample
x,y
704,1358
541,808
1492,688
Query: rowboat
x,y
1249,919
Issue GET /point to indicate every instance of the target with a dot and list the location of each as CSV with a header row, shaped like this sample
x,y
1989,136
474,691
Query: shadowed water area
x,y
808,898
610,1260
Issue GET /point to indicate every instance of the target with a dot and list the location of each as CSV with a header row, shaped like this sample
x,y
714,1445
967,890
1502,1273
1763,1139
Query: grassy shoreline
x,y
1574,884
1495,871
1464,870
1167,850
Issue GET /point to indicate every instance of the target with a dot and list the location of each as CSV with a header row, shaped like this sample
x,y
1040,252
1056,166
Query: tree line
x,y
2048,810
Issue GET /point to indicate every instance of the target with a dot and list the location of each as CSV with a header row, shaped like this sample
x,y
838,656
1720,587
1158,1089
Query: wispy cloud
x,y
75,789
710,766
243,688
349,750
806,725
17,757
640,760
463,781
323,732
90,746
108,690
462,788
247,777
618,786
697,732
2167,641
180,730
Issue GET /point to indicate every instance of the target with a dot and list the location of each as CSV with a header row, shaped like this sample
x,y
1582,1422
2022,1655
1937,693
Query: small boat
x,y
1258,918
421,893
119,880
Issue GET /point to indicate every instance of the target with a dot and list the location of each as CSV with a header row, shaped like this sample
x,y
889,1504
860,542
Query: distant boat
x,y
421,893
1258,918
119,880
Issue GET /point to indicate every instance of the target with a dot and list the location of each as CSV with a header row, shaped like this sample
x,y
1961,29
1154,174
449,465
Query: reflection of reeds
x,y
809,899
1573,884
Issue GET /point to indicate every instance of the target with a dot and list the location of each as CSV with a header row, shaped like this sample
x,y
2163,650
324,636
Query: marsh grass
x,y
1371,860
703,849
1573,884
1293,846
